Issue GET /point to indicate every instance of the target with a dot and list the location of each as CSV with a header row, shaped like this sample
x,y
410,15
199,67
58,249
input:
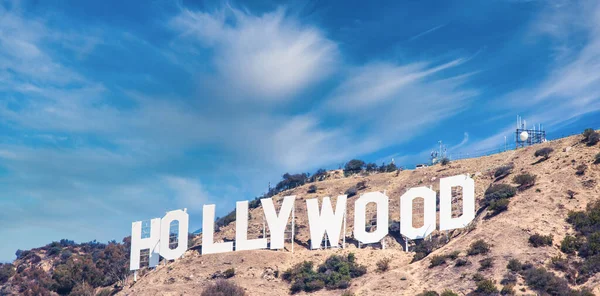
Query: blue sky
x,y
112,111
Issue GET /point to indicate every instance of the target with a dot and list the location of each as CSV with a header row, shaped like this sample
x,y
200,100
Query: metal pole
x,y
344,238
293,220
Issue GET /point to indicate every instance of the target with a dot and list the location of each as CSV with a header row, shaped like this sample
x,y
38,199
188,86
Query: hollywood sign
x,y
324,221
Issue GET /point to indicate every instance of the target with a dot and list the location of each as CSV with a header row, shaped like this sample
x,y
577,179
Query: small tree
x,y
445,161
371,167
544,152
354,166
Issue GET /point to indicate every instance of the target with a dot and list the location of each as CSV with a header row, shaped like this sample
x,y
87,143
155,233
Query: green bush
x,y
544,152
429,293
524,180
597,158
537,240
514,265
437,260
587,133
503,171
478,247
453,255
312,188
593,139
570,244
486,263
543,281
223,288
335,273
425,247
498,191
486,287
499,206
82,289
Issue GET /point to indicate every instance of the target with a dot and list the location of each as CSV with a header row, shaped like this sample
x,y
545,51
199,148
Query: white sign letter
x,y
360,208
468,201
406,225
138,243
208,229
182,234
277,223
241,230
326,222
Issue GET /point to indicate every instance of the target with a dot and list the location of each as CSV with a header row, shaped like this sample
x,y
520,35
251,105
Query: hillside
x,y
541,209
562,185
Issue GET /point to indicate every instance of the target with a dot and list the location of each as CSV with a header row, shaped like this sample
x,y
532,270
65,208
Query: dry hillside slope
x,y
541,209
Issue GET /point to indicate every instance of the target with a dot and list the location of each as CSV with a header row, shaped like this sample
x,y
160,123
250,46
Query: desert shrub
x,y
461,262
448,293
428,293
312,189
453,255
82,289
597,158
524,180
593,139
229,273
543,152
371,167
351,191
514,265
354,166
383,264
223,288
77,269
498,191
388,168
65,254
291,181
499,206
503,171
537,240
425,247
559,263
580,170
105,292
570,244
486,263
55,250
361,185
543,281
587,133
477,277
571,194
7,270
508,290
478,247
445,161
486,287
437,260
335,273
509,279
319,175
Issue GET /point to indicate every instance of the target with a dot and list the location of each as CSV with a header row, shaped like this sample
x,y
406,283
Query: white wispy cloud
x,y
269,57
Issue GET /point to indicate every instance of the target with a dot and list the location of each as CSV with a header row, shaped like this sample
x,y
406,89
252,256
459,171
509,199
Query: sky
x,y
118,111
